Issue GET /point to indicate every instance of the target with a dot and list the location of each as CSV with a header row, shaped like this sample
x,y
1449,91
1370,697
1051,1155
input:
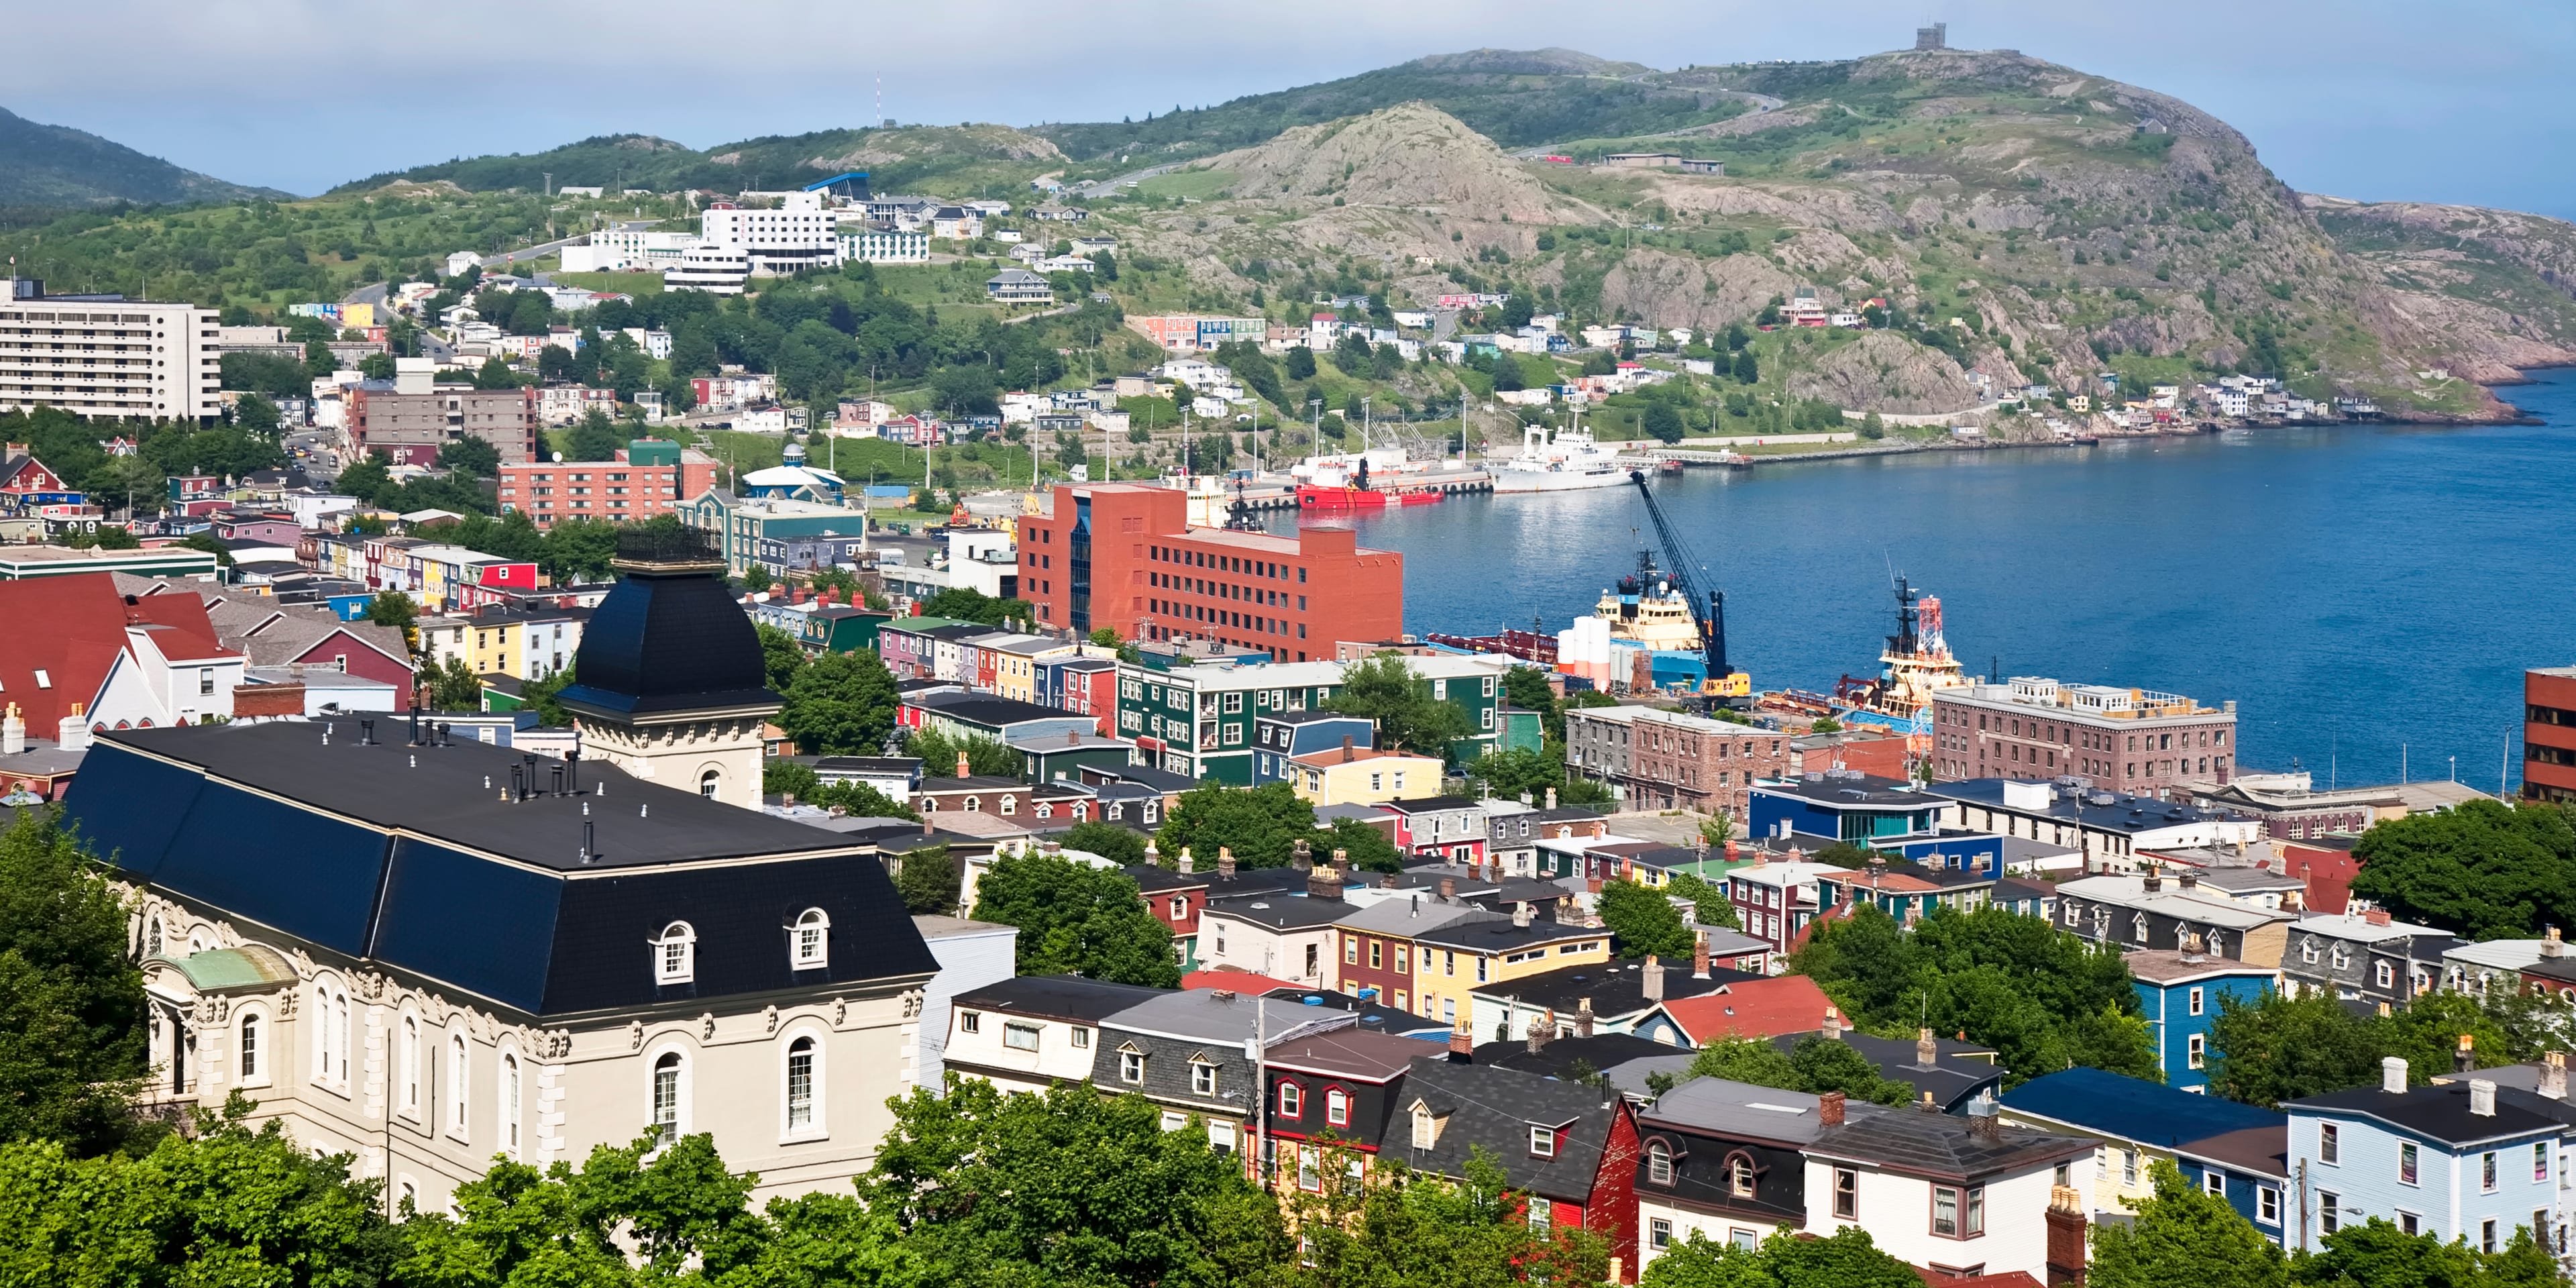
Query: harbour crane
x,y
1724,686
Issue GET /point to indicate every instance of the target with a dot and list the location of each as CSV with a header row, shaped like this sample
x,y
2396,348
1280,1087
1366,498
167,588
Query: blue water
x,y
2355,589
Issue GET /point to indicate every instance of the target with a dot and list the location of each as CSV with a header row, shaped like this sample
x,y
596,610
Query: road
x,y
1108,187
1761,103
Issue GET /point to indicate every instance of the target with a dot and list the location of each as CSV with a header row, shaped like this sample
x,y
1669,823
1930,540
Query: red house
x,y
273,636
1570,1147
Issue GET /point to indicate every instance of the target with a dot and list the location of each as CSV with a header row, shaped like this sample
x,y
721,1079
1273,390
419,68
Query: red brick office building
x,y
1122,555
2549,734
410,428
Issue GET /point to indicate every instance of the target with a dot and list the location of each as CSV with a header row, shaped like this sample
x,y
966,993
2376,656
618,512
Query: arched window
x,y
410,1057
708,782
456,1086
800,1086
152,936
666,1098
1292,1100
1010,806
251,1050
322,1026
510,1103
340,1024
973,803
1739,1175
811,940
1337,1108
675,953
1659,1163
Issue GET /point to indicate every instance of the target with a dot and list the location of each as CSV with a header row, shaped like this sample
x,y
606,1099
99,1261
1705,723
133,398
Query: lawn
x,y
622,283
1191,184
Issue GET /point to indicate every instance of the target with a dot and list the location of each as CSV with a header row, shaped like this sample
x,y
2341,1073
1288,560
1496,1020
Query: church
x,y
427,953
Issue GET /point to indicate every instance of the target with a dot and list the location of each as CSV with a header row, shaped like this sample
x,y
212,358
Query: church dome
x,y
670,638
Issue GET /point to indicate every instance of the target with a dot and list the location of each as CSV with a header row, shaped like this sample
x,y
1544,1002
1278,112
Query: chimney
x,y
1541,1030
1983,1122
961,764
1829,1109
72,732
1699,957
1926,1105
2466,1058
2392,1075
1731,847
2190,878
2191,947
925,824
1583,1017
2152,881
13,732
1448,889
1927,1053
2482,1097
1462,1045
1302,856
1551,798
2553,1075
2551,945
1652,978
1324,882
2376,916
1347,756
1224,862
1521,914
1833,1026
2066,1237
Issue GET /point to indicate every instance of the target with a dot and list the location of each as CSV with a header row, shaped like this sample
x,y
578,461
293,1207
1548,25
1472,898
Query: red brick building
x,y
410,428
1122,555
2549,734
649,477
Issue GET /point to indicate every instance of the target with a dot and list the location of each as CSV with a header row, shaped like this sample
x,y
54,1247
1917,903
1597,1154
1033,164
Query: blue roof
x,y
2133,1109
838,178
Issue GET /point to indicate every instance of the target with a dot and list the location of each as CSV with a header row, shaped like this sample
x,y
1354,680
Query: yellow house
x,y
490,644
1451,961
1015,664
1349,775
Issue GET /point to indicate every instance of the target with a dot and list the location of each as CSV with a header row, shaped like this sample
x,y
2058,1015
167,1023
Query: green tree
x,y
1662,422
1747,371
1365,848
1120,845
578,550
1814,1065
780,656
1527,688
2283,1048
1077,919
1261,825
594,438
1848,1258
2376,1254
473,456
1873,428
2184,1237
377,366
451,686
780,776
1709,904
939,749
674,1203
256,414
1105,637
2486,870
841,704
1301,363
71,1004
929,882
1431,1232
367,477
1384,689
1644,922
495,374
1070,1187
395,609
966,604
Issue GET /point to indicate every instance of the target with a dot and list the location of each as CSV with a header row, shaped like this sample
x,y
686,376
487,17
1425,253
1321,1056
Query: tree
x,y
1846,1259
495,374
1709,904
1814,1065
780,656
1365,848
1301,363
2283,1048
256,414
939,750
1105,637
377,366
1261,825
928,882
1415,1231
1644,922
1873,428
2486,870
967,604
393,608
1119,845
2184,1237
1527,688
473,456
368,477
780,776
1077,919
1662,422
1069,1187
595,438
1507,374
578,549
1384,689
841,704
452,686
71,1004
2376,1254
1747,371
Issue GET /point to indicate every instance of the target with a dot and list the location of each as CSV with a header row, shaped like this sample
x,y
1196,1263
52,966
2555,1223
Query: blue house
x,y
2142,1123
2179,993
2456,1160
2250,1168
1842,805
1282,736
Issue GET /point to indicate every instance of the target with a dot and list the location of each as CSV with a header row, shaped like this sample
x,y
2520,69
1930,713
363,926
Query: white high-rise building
x,y
802,233
717,270
105,355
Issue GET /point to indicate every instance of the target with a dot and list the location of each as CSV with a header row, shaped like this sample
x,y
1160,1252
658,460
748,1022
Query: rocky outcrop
x,y
1885,372
1413,155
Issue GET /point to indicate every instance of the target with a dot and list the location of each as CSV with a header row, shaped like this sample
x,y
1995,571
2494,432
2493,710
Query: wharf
x,y
1264,496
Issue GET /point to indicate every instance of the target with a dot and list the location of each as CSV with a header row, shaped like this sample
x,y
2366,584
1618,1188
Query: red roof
x,y
72,628
1753,1008
1234,981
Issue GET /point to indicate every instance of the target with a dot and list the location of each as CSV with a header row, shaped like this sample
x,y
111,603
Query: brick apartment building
x,y
649,477
2549,734
1122,555
410,428
1667,760
2124,740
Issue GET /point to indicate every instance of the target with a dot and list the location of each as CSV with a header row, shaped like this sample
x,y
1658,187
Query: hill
x,y
53,165
2502,281
960,158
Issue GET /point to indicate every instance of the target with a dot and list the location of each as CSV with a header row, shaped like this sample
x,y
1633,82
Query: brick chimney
x,y
1521,913
2551,944
1583,1017
1829,1109
2553,1075
1983,1122
1651,977
1462,1045
2066,1237
1833,1026
1325,882
1927,1053
1551,798
2466,1058
2376,916
2151,880
1541,1030
1225,862
1699,957
1347,754
1302,856
2188,879
962,770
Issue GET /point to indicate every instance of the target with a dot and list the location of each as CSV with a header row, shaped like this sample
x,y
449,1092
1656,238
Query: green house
x,y
841,629
1198,720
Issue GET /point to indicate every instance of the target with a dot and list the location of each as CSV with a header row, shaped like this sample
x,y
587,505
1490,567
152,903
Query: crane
x,y
1724,685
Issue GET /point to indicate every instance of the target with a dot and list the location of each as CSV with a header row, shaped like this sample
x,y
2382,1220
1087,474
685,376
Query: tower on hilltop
x,y
669,684
1936,36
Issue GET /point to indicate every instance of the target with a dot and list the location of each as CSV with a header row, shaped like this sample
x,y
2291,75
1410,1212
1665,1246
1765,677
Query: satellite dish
x,y
558,458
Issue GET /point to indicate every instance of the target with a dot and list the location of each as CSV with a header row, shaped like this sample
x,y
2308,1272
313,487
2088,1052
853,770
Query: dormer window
x,y
675,954
1542,1142
1426,1129
811,940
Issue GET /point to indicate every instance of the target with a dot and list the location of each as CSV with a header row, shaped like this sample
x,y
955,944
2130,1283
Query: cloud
x,y
2373,98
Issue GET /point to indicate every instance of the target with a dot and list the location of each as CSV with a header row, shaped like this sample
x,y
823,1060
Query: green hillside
x,y
52,165
951,160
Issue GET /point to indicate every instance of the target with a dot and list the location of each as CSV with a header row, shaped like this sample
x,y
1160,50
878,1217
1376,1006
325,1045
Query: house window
x,y
1945,1211
510,1103
2329,1209
2487,1236
2196,1001
1292,1100
1131,1066
1180,908
675,954
1020,1037
2409,1222
1377,954
707,783
2387,975
2267,1205
2540,1161
666,1098
456,1086
2214,1184
1202,1078
1847,1193
2407,1163
1739,1176
1426,1132
410,1055
812,940
2487,1171
1309,1176
1538,1215
1659,1233
205,683
1659,1163
970,1021
800,1085
2329,1143
2128,1167
1081,1039
2196,1049
250,1048
1542,1142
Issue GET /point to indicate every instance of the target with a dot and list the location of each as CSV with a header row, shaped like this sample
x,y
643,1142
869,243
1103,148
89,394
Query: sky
x,y
2437,100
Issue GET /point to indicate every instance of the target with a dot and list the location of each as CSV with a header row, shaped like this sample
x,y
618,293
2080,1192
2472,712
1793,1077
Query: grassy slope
x,y
51,165
948,160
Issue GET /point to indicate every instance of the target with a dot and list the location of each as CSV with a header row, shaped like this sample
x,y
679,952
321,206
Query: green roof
x,y
250,966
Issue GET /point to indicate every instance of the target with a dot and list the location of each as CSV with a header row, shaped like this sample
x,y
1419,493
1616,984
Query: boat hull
x,y
1509,480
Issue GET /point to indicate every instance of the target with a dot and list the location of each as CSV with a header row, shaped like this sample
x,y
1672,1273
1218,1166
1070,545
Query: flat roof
x,y
2089,808
1847,789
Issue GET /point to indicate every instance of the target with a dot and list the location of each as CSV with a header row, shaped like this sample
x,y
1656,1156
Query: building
x,y
971,955
2151,912
1123,556
25,562
2134,741
2111,829
716,270
1587,1000
2179,995
1774,902
881,243
2133,1125
1351,775
775,537
522,643
310,640
2549,734
409,428
2457,1160
2366,956
2291,808
1033,1032
1736,1009
1177,895
78,652
1451,961
1841,805
1573,1150
1195,1054
1018,286
1375,944
1286,935
1198,721
1668,760
405,964
107,356
650,477
1340,1084
1439,828
800,233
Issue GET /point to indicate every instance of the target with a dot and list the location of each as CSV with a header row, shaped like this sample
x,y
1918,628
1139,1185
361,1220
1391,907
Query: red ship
x,y
1312,497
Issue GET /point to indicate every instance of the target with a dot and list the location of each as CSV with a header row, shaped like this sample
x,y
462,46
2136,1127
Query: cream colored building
x,y
107,357
669,685
1362,776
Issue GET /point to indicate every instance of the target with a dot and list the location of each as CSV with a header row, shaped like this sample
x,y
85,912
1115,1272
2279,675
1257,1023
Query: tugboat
x,y
1334,490
1917,664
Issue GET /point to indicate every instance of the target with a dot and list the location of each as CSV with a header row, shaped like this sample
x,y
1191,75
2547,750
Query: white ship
x,y
1570,462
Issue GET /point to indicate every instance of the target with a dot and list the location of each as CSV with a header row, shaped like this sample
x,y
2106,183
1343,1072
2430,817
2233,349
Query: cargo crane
x,y
1724,686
